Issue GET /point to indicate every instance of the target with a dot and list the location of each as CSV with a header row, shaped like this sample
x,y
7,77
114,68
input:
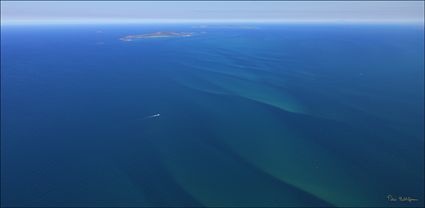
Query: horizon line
x,y
204,21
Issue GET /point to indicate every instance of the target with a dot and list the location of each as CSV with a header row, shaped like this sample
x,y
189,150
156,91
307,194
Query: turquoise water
x,y
265,115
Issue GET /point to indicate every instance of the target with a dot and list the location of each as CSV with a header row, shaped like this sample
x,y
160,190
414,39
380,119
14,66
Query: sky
x,y
33,12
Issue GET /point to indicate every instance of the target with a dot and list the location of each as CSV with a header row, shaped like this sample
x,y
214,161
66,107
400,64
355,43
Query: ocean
x,y
248,115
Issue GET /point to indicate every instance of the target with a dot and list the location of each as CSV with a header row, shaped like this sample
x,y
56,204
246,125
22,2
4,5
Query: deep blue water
x,y
265,115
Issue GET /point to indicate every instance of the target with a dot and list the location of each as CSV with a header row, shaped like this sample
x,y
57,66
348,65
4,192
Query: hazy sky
x,y
203,11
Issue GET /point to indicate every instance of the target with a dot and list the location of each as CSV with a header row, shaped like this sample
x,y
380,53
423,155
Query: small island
x,y
156,35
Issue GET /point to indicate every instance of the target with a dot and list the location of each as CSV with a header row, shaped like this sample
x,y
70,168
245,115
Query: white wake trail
x,y
152,116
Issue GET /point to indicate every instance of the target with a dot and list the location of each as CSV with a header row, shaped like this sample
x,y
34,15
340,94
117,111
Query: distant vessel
x,y
152,116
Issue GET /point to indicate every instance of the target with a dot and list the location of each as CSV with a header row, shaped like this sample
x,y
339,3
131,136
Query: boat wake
x,y
152,116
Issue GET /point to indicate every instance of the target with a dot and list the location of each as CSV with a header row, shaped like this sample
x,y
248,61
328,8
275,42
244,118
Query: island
x,y
156,35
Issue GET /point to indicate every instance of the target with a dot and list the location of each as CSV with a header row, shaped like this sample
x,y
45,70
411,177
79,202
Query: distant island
x,y
156,35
